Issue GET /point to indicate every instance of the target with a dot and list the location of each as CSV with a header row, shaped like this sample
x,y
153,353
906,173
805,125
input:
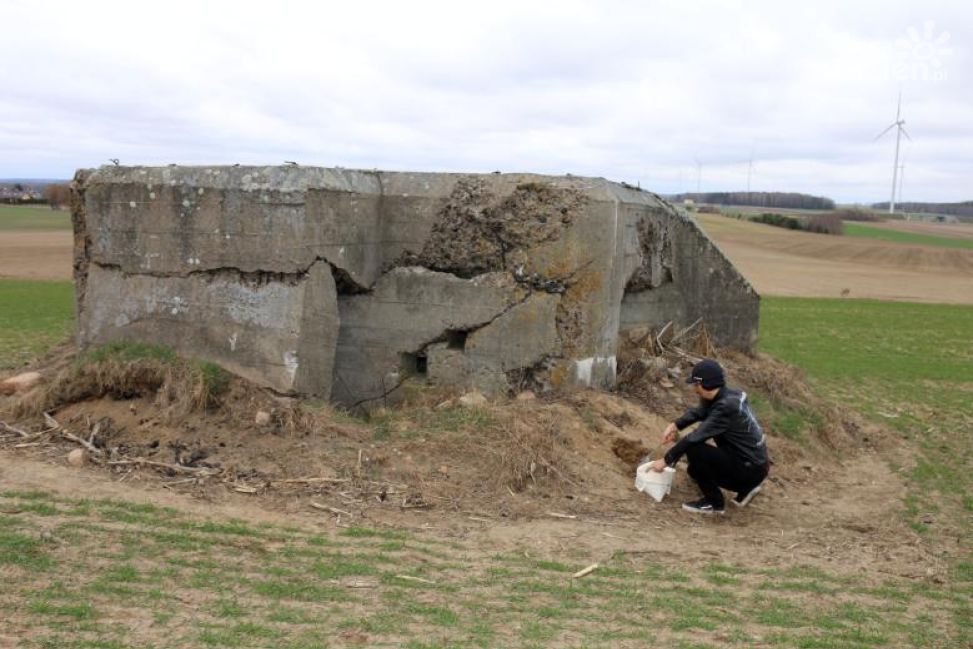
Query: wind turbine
x,y
699,175
901,181
899,126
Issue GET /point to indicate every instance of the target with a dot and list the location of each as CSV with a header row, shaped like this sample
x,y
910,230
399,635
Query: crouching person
x,y
738,462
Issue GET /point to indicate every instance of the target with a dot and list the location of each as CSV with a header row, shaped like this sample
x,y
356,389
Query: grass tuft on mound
x,y
126,370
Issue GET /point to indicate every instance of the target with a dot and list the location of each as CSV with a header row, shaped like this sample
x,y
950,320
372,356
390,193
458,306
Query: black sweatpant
x,y
712,468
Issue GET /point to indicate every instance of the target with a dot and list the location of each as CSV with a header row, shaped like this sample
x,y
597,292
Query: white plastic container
x,y
653,483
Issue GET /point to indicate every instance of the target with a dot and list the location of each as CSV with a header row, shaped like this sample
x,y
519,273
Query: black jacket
x,y
727,419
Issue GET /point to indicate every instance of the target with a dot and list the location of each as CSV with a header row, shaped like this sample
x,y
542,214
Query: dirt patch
x,y
802,264
477,232
630,452
36,255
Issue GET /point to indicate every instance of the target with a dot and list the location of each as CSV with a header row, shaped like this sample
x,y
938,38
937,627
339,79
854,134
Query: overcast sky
x,y
633,91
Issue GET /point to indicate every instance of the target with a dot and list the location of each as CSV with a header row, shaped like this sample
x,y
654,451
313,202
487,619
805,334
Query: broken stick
x,y
333,510
10,429
417,579
83,442
178,468
585,571
309,480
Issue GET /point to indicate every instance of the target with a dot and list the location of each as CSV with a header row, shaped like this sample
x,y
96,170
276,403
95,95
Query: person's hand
x,y
658,466
669,434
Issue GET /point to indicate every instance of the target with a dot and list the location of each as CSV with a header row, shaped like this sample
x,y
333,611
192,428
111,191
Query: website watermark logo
x,y
921,54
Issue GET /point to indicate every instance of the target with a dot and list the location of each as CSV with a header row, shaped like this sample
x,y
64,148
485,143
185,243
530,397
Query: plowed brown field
x,y
801,264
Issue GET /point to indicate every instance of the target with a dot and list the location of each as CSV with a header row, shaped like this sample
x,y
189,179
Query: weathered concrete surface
x,y
384,333
343,283
279,333
522,337
700,284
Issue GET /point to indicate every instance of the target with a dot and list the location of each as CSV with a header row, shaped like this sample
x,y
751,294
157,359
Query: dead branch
x,y
172,483
16,431
178,468
416,579
333,510
83,442
685,331
658,336
309,480
585,571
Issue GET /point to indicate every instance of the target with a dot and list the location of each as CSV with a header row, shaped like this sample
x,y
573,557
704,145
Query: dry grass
x,y
124,371
518,453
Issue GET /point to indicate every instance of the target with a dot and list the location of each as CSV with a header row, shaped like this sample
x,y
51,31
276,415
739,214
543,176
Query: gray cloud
x,y
627,90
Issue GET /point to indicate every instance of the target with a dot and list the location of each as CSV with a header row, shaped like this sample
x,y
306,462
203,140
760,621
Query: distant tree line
x,y
57,195
788,200
820,223
956,209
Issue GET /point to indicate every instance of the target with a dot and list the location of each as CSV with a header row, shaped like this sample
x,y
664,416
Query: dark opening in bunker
x,y
414,364
456,339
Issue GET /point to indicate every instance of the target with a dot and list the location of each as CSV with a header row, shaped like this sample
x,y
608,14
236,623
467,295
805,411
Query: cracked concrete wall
x,y
343,283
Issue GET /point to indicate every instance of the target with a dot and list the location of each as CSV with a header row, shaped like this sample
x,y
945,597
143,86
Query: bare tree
x,y
57,195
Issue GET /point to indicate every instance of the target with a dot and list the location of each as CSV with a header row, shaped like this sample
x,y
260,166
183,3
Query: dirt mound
x,y
525,473
145,418
524,457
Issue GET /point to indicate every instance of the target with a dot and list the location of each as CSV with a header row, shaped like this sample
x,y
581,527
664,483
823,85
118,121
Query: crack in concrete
x,y
443,337
258,277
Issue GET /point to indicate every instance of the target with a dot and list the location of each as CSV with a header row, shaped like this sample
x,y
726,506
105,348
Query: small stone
x,y
444,469
666,384
262,418
472,400
20,383
78,457
526,395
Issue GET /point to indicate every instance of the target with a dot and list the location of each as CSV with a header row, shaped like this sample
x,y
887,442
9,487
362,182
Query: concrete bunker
x,y
345,284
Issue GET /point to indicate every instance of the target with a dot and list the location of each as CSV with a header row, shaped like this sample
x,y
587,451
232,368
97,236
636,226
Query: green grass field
x,y
869,232
120,574
34,316
38,218
907,366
